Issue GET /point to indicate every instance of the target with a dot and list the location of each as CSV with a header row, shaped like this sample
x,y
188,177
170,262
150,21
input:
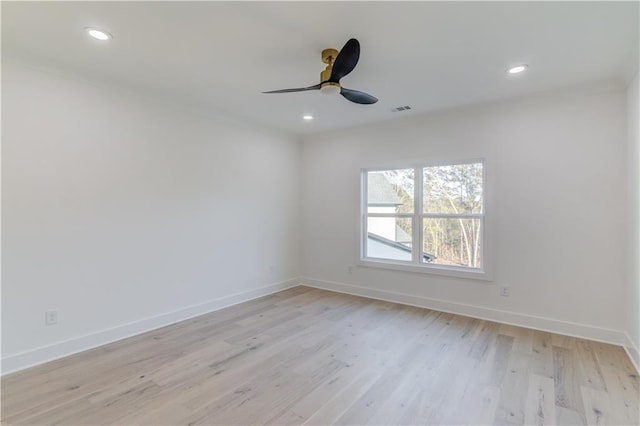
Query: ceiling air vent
x,y
401,108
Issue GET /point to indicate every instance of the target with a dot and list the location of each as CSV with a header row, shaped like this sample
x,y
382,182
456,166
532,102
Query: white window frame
x,y
416,265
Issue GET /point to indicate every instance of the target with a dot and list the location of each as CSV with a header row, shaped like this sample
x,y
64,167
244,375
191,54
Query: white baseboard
x,y
22,360
633,352
584,331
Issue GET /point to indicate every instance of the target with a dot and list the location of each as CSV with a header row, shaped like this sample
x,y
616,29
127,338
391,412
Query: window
x,y
428,218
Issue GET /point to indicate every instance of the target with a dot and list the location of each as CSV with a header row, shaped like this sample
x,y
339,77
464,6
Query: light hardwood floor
x,y
307,356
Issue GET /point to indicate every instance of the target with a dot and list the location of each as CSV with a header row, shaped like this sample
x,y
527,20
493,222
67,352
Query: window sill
x,y
448,271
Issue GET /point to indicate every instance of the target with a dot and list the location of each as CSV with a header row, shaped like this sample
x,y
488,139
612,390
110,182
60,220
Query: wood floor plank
x,y
331,410
512,406
590,367
566,416
622,386
371,401
541,354
311,403
309,356
567,381
598,408
540,408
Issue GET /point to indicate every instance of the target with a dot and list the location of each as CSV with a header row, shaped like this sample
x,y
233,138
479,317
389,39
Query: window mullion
x,y
364,210
409,215
454,215
417,213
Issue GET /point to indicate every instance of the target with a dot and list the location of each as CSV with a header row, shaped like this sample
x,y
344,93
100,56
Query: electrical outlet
x,y
51,317
504,291
350,269
271,269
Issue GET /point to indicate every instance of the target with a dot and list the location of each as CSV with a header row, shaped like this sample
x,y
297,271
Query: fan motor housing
x,y
329,88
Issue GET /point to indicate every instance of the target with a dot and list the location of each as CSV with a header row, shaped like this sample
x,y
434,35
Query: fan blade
x,y
358,96
346,60
300,89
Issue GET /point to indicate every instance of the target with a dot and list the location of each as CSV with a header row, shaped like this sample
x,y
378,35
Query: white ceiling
x,y
429,55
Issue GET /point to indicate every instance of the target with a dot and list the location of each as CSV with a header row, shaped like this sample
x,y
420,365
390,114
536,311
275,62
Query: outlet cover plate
x,y
51,317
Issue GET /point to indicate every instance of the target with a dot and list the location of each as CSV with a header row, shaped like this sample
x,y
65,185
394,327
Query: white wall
x,y
633,289
556,177
125,213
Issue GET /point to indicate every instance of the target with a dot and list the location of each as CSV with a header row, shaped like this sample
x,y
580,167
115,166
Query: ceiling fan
x,y
339,64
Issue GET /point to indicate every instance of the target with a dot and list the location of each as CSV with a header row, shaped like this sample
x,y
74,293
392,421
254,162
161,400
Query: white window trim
x,y
415,266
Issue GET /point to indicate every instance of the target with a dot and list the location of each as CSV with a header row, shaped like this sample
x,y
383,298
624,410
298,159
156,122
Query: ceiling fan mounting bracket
x,y
329,55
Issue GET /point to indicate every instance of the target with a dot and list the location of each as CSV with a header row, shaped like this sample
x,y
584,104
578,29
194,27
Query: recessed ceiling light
x,y
517,69
307,117
99,34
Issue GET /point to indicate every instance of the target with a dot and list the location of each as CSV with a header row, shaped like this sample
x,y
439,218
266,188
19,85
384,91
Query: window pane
x,y
389,238
390,191
453,189
452,241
